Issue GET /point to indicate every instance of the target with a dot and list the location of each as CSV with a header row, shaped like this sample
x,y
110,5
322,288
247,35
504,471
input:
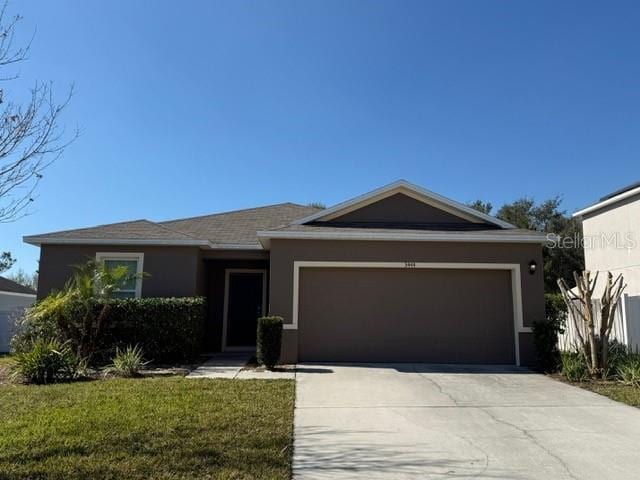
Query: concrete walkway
x,y
429,422
232,365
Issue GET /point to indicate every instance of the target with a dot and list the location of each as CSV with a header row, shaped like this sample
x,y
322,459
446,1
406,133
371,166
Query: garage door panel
x,y
406,315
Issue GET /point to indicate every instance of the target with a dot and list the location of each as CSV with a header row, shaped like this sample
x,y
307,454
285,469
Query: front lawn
x,y
616,391
153,428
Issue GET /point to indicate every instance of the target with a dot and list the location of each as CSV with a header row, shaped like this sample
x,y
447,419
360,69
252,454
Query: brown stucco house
x,y
399,274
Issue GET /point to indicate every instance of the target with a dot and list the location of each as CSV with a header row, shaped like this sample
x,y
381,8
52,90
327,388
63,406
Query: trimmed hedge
x,y
269,341
166,329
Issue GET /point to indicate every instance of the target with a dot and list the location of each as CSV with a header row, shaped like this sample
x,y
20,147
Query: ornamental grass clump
x,y
46,361
574,367
628,370
128,362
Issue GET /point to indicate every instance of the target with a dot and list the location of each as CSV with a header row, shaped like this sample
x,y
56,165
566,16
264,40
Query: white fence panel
x,y
7,321
626,326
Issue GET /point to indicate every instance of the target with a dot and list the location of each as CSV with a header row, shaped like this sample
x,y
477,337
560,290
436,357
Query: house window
x,y
132,288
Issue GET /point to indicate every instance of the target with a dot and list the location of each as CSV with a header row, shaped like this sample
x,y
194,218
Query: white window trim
x,y
514,268
225,314
139,256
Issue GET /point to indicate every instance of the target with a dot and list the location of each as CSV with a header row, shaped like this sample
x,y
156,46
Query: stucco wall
x,y
399,208
173,271
612,242
285,252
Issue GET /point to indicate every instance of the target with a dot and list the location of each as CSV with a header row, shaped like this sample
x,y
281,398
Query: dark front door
x,y
244,306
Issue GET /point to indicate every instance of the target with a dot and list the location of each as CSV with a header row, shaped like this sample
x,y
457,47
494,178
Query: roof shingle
x,y
237,227
10,286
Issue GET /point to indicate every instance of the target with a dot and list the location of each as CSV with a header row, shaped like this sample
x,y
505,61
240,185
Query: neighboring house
x,y
14,298
400,274
611,231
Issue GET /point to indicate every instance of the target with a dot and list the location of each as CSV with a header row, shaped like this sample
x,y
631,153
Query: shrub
x,y
127,362
46,361
574,367
628,370
269,340
545,333
29,328
617,355
167,329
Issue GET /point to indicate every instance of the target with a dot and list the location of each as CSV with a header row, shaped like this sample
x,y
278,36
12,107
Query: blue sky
x,y
190,108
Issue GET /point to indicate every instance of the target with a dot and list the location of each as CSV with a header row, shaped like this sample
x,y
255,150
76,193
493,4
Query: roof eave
x,y
18,294
607,202
39,241
266,236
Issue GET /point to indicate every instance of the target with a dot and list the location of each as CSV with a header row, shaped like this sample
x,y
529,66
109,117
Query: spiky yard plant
x,y
75,309
127,362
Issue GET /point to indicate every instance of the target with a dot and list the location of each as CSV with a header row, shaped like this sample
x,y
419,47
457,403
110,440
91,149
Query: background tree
x,y
484,207
6,261
559,261
30,135
24,278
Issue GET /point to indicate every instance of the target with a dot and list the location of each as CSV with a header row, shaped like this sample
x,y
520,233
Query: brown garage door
x,y
406,315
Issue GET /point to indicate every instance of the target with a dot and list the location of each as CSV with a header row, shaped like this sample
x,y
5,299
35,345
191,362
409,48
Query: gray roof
x,y
244,228
236,228
136,229
10,286
239,227
620,191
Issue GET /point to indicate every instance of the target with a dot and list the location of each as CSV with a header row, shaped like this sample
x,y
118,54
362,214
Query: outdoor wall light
x,y
532,267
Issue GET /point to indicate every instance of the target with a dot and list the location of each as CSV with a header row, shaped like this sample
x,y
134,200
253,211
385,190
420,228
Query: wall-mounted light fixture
x,y
532,267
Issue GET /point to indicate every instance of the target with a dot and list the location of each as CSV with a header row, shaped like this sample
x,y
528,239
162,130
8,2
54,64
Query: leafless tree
x,y
593,342
30,134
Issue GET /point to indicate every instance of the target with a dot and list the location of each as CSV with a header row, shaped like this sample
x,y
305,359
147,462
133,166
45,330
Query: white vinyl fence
x,y
626,326
11,307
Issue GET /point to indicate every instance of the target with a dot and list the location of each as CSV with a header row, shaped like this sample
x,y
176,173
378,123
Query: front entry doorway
x,y
245,300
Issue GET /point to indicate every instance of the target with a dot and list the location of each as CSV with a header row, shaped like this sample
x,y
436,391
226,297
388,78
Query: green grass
x,y
616,391
152,428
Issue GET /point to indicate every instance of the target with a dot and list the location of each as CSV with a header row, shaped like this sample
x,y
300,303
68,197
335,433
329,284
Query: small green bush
x,y
574,367
29,328
128,362
617,355
628,370
545,333
47,361
269,341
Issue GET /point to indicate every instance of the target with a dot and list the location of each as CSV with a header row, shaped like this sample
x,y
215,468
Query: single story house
x,y
399,274
14,298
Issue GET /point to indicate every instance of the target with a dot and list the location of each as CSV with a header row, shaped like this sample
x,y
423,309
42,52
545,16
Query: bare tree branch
x,y
30,134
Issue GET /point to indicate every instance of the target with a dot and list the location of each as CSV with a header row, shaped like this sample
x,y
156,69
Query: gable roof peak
x,y
421,194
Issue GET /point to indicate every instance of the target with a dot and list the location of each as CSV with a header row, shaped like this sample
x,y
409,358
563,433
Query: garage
x,y
418,314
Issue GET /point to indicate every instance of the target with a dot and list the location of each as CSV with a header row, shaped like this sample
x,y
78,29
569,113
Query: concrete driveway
x,y
428,422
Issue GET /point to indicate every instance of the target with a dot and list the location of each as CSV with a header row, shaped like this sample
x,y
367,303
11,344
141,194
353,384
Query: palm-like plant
x,y
77,310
